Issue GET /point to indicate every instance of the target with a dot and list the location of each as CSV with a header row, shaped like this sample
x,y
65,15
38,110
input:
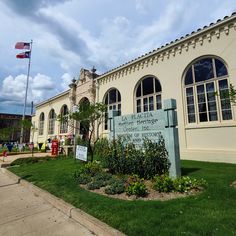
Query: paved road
x,y
24,213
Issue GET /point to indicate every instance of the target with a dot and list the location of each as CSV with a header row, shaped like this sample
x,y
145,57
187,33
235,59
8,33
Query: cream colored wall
x,y
55,104
169,69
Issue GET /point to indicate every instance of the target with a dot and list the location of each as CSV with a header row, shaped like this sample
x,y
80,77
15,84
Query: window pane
x,y
118,95
225,104
220,68
213,116
158,102
138,92
203,117
223,84
203,70
200,89
189,91
157,86
190,100
191,109
202,107
112,96
148,86
191,118
119,109
211,106
145,104
227,115
138,105
189,76
151,105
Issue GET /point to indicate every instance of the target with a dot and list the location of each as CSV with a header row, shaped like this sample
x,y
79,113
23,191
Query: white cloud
x,y
66,80
13,89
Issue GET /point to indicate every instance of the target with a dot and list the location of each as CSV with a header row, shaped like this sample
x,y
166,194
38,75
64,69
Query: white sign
x,y
81,153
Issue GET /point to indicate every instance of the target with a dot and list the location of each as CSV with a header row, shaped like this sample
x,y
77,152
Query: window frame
x,y
51,122
147,97
41,123
111,106
64,123
215,80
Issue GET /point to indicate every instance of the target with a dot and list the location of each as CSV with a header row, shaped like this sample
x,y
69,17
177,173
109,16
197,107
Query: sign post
x,y
81,153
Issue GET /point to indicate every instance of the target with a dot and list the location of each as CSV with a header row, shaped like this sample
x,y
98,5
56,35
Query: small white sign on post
x,y
81,153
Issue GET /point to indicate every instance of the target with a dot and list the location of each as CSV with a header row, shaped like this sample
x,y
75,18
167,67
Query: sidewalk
x,y
29,210
7,160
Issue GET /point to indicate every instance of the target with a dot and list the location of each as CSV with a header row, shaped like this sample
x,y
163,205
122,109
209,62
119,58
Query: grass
x,y
212,212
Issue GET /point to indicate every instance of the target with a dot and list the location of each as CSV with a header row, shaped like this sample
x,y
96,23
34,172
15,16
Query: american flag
x,y
22,45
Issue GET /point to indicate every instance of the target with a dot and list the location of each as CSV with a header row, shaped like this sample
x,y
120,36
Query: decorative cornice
x,y
172,49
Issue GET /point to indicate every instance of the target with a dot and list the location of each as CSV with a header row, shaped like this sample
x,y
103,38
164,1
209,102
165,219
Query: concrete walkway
x,y
9,159
26,209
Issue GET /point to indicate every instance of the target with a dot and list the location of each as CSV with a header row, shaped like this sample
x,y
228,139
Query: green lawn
x,y
213,212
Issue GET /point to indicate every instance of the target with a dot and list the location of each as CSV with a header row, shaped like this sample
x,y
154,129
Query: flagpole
x,y
26,93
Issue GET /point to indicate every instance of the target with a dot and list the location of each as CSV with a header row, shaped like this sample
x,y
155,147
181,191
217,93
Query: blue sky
x,y
71,34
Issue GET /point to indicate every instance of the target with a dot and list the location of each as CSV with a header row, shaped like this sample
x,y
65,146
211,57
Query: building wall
x,y
203,141
55,103
169,65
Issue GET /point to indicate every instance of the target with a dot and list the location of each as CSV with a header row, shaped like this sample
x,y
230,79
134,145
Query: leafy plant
x,y
163,183
135,186
182,184
92,168
95,184
117,187
83,179
127,159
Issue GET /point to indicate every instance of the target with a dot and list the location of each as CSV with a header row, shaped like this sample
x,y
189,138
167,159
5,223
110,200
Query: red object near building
x,y
54,147
4,153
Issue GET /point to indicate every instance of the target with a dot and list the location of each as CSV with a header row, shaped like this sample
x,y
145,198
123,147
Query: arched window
x,y
148,95
206,86
41,123
84,125
51,122
64,119
113,102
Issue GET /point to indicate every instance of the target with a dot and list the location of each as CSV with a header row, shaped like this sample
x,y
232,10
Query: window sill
x,y
211,125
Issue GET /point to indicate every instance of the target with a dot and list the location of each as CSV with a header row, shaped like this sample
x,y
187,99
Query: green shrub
x,y
135,186
182,184
101,148
84,179
116,187
95,184
102,176
185,184
163,183
122,158
92,168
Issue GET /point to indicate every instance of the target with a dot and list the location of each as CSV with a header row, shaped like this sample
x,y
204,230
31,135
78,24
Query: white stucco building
x,y
196,70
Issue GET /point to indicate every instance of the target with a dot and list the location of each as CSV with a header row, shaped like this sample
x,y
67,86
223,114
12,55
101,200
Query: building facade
x,y
196,70
10,126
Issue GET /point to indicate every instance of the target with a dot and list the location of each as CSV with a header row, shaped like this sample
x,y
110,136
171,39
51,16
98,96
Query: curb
x,y
91,223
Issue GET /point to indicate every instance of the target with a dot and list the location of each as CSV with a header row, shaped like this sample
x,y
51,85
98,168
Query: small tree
x,y
91,115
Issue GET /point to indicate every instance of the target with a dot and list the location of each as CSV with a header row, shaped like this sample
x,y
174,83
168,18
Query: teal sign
x,y
136,127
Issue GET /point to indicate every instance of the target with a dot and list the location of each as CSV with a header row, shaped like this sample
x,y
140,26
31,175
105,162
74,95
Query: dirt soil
x,y
152,194
234,184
